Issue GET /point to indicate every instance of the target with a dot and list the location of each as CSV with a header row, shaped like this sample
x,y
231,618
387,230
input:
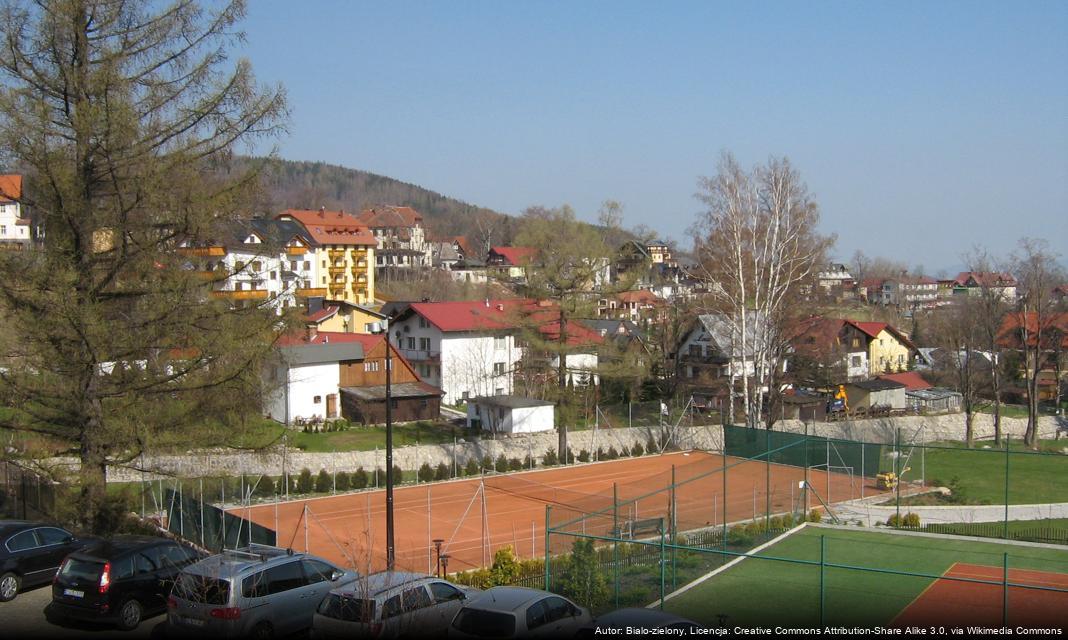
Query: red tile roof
x,y
912,380
515,256
390,216
10,188
985,279
1054,324
873,329
322,314
642,296
500,315
332,227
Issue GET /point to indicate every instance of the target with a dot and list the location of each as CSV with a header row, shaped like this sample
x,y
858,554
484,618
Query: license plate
x,y
74,593
193,622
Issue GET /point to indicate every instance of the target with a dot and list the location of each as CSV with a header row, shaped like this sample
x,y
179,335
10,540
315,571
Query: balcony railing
x,y
311,292
421,355
255,294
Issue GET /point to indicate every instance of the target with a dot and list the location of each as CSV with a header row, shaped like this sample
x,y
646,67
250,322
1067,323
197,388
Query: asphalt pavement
x,y
25,617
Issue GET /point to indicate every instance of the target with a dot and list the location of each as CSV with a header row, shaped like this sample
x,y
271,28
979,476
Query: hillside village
x,y
325,270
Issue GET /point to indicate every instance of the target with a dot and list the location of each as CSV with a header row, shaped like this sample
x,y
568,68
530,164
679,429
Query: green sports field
x,y
760,590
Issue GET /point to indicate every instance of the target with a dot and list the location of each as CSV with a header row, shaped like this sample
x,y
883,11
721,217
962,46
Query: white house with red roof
x,y
973,282
471,348
16,229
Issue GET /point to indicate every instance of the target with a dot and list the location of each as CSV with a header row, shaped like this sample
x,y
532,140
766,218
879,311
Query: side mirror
x,y
336,575
69,539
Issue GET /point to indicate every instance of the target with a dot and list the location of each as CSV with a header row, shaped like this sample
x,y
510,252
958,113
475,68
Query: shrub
x,y
324,482
583,456
441,472
912,520
650,446
487,463
550,457
788,521
515,464
528,462
907,520
426,472
304,481
502,464
815,516
775,523
471,468
265,487
583,579
359,479
612,453
342,481
398,475
637,450
601,455
505,569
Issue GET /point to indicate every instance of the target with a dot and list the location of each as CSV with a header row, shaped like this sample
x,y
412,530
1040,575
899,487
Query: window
x,y
257,266
274,275
370,365
500,343
856,342
122,569
318,399
142,564
557,609
52,535
22,541
284,577
254,586
499,391
293,265
536,614
316,571
411,343
3,229
307,266
424,344
445,592
856,361
423,324
498,368
409,600
901,358
175,555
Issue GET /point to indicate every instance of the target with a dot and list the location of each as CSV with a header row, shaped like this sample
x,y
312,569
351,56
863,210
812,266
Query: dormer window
x,y
252,239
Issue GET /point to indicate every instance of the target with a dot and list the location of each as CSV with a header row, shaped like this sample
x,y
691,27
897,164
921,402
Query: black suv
x,y
30,553
121,580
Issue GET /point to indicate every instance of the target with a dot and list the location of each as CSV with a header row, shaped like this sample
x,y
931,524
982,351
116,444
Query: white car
x,y
518,612
390,604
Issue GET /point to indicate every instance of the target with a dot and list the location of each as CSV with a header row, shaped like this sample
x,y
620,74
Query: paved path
x,y
871,514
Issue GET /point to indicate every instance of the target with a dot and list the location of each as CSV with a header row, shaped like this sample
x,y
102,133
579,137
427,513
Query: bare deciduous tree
x,y
758,246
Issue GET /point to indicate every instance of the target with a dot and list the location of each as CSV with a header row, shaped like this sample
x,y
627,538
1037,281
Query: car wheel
x,y
262,631
9,586
130,614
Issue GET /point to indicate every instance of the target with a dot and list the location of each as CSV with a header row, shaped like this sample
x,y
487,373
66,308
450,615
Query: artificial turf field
x,y
760,591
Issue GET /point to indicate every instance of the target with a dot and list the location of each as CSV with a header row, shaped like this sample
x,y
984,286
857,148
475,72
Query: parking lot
x,y
24,617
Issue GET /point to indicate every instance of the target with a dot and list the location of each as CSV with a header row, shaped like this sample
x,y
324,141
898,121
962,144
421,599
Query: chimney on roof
x,y
311,330
322,211
326,339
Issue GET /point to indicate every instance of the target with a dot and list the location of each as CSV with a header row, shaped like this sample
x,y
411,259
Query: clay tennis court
x,y
957,602
475,517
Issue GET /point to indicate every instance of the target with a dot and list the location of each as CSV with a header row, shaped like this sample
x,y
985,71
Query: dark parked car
x,y
30,553
120,581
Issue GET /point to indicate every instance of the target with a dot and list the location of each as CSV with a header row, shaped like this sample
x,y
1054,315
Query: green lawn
x,y
760,591
353,439
1033,478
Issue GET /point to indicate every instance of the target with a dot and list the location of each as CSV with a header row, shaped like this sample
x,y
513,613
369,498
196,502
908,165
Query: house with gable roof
x,y
327,375
511,262
400,235
344,253
16,228
474,348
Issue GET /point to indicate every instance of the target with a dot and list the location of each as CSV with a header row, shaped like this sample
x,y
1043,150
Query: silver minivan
x,y
390,604
258,591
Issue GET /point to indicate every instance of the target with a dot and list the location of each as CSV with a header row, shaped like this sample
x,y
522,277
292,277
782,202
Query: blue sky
x,y
922,128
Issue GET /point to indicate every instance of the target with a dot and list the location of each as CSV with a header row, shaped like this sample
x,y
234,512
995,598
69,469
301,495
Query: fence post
x,y
1006,530
548,569
202,513
823,547
1005,590
767,481
897,474
674,527
615,544
723,557
662,563
863,446
805,511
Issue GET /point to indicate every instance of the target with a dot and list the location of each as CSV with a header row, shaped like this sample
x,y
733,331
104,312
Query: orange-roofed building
x,y
400,235
511,261
345,255
16,229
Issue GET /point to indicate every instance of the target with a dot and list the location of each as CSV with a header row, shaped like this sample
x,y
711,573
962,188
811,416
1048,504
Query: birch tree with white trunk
x,y
758,247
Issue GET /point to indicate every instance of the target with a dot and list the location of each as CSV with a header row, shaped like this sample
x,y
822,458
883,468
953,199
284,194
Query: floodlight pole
x,y
390,549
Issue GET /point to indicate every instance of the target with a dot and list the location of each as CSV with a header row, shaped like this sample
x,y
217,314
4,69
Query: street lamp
x,y
444,564
437,547
390,550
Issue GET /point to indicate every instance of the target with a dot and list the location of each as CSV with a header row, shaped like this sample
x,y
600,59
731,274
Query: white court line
x,y
687,587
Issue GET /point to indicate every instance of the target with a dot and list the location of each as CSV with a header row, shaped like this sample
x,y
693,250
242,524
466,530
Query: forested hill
x,y
310,185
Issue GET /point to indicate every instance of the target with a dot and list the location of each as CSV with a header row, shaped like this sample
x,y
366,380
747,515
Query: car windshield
x,y
348,609
486,624
202,589
81,569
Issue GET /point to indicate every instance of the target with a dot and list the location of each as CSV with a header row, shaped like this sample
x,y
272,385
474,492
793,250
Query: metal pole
x,y
862,475
305,527
1005,590
662,562
1006,530
390,550
897,474
429,561
548,572
823,551
806,471
222,516
767,480
674,526
724,457
615,545
482,488
827,470
202,513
